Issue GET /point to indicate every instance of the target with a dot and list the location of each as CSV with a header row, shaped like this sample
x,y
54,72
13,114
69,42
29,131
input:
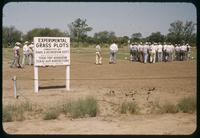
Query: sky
x,y
123,18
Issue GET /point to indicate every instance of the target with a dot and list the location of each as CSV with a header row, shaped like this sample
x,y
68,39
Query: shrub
x,y
7,113
51,113
83,107
13,112
66,107
169,108
130,107
187,104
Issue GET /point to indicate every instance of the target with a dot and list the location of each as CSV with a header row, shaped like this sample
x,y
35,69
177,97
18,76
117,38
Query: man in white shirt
x,y
113,52
170,51
164,52
188,51
131,52
145,52
25,53
98,55
152,52
159,51
16,56
177,52
134,52
183,50
30,55
140,52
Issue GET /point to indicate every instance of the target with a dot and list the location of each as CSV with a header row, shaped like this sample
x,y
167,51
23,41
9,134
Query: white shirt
x,y
113,47
168,48
134,47
145,48
140,48
25,49
177,48
130,47
31,48
152,48
165,47
189,48
16,50
183,48
98,48
172,48
159,48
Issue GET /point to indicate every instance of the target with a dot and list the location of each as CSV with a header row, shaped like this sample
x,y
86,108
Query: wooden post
x,y
15,86
68,77
36,79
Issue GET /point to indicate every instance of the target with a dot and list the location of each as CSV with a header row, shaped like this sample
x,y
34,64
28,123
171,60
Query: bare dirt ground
x,y
171,81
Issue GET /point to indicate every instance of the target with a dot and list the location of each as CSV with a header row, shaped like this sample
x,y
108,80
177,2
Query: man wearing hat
x,y
16,56
30,55
25,53
98,55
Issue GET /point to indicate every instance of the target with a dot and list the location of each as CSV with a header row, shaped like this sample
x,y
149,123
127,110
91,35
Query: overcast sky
x,y
124,18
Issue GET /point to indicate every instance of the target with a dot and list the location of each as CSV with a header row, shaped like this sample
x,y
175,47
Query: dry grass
x,y
129,107
187,104
16,112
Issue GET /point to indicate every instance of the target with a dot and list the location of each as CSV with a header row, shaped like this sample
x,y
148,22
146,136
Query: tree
x,y
180,32
136,36
11,35
112,37
105,37
78,29
44,32
123,40
101,37
156,37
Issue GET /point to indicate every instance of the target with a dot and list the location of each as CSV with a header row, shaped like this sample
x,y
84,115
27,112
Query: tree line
x,y
179,32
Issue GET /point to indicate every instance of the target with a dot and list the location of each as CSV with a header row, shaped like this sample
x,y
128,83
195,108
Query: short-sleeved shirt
x,y
159,48
177,49
98,48
113,48
16,50
25,49
145,48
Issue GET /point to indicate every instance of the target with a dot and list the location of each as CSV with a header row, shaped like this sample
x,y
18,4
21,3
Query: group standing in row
x,y
27,55
156,52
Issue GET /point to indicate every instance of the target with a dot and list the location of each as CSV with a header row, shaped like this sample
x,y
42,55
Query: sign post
x,y
36,79
51,51
68,78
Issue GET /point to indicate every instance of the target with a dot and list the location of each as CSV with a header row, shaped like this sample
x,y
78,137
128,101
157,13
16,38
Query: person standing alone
x,y
98,55
113,52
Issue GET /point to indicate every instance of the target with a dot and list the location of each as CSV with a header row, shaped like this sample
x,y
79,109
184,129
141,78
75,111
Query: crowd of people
x,y
27,55
139,52
156,52
149,52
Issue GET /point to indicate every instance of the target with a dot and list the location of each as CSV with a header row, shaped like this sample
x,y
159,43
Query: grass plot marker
x,y
51,51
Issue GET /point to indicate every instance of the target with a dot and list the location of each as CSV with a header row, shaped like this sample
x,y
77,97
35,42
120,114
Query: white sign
x,y
51,51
